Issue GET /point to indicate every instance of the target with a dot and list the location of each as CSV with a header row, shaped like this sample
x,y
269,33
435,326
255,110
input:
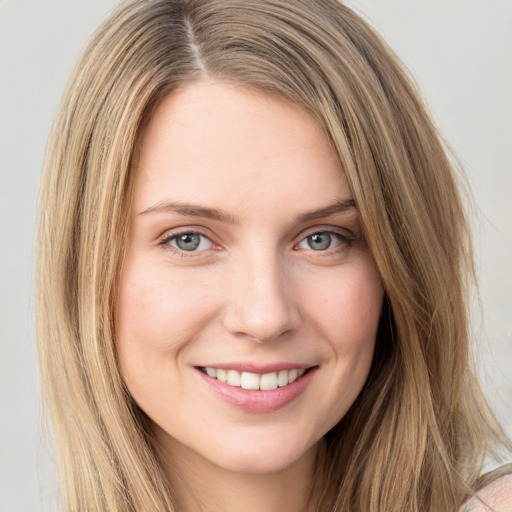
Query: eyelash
x,y
345,241
343,238
166,243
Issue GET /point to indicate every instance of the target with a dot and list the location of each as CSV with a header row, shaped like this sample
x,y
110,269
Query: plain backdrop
x,y
460,52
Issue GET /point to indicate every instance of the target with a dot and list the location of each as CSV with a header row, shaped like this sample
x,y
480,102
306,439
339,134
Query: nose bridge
x,y
260,305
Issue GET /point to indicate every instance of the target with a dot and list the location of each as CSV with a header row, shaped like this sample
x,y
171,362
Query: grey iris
x,y
319,241
188,241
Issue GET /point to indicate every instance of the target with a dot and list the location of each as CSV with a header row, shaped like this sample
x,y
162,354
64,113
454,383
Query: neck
x,y
202,486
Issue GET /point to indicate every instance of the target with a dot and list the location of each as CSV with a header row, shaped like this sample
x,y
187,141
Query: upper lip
x,y
258,368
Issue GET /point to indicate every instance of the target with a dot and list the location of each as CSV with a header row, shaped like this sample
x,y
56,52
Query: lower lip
x,y
258,401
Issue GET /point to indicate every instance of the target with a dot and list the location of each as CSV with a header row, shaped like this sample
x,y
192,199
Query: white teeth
x,y
249,380
222,375
234,378
282,378
211,372
268,381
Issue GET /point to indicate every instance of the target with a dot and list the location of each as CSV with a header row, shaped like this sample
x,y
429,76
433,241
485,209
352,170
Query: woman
x,y
253,272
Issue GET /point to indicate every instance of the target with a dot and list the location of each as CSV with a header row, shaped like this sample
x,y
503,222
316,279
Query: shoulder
x,y
494,497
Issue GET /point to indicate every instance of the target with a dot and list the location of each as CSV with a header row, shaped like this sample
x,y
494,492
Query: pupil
x,y
319,241
188,241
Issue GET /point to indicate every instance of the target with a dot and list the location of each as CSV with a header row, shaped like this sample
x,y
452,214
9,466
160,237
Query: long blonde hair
x,y
416,437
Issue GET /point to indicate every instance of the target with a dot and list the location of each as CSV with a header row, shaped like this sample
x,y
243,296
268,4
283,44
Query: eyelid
x,y
343,232
164,239
345,236
181,230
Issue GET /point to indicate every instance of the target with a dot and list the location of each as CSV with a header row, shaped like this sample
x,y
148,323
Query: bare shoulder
x,y
494,497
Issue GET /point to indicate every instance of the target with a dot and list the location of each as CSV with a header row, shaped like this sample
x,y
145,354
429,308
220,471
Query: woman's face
x,y
245,262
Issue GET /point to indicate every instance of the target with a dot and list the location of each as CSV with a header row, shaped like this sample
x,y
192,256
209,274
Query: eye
x,y
189,242
324,240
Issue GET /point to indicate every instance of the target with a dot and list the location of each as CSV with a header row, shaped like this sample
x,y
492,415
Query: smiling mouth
x,y
255,381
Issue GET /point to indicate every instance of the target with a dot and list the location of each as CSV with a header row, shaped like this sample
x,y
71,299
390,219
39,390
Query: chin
x,y
256,459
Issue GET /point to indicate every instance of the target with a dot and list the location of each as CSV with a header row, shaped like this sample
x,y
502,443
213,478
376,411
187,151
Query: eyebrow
x,y
190,210
193,210
338,207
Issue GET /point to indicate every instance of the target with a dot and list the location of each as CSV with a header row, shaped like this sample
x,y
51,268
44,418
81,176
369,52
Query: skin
x,y
495,497
254,291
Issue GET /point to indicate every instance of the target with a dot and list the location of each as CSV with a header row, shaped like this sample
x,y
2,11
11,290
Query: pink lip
x,y
256,401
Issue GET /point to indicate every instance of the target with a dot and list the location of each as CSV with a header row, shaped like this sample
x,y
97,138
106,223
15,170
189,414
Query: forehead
x,y
218,142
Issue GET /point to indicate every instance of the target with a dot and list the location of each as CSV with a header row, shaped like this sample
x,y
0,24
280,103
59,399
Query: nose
x,y
260,305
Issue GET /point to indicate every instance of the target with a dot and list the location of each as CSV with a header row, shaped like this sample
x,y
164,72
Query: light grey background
x,y
460,52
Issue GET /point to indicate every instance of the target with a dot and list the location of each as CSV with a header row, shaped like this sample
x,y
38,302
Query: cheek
x,y
156,316
347,305
154,304
347,315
